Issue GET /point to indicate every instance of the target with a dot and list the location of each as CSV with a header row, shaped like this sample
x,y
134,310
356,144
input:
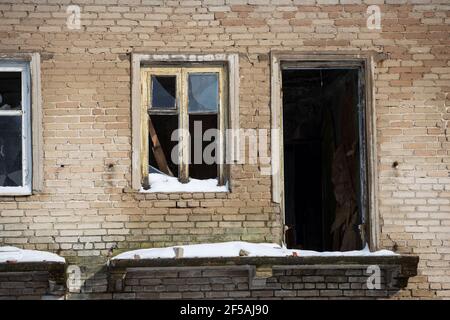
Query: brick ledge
x,y
401,267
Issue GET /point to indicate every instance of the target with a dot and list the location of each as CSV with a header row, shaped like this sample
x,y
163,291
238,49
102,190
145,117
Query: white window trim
x,y
232,61
32,121
24,68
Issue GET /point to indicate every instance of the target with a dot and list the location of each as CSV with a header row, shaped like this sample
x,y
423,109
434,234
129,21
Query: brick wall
x,y
236,282
26,281
86,205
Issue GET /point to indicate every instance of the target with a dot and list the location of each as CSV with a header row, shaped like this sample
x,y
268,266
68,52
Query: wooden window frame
x,y
230,64
181,110
367,60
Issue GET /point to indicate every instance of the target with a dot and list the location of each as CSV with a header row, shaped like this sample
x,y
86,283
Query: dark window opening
x,y
10,130
199,168
322,158
11,151
10,91
162,145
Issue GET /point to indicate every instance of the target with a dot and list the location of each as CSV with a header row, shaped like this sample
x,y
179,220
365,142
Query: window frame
x,y
25,69
145,58
367,60
182,72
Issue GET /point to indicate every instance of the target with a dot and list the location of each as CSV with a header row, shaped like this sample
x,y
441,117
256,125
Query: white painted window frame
x,y
138,59
24,68
32,152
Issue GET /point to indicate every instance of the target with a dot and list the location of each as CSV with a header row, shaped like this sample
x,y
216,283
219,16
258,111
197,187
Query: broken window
x,y
324,157
15,133
183,123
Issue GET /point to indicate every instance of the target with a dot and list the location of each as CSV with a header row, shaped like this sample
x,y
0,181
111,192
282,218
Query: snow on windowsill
x,y
16,255
163,183
236,248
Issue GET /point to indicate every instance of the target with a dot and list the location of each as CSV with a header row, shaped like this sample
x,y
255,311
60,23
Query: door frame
x,y
370,217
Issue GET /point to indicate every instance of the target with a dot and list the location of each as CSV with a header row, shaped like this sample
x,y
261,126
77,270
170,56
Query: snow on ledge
x,y
233,249
163,183
16,255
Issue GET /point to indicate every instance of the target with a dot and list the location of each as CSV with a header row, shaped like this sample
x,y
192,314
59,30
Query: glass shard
x,y
164,92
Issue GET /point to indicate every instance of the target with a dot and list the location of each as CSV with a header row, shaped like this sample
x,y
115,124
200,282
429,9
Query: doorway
x,y
324,157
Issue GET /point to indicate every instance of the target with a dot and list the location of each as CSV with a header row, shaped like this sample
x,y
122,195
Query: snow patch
x,y
163,183
16,255
233,249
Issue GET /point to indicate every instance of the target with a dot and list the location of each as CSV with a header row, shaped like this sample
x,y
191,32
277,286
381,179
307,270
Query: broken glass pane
x,y
10,90
164,92
164,125
203,92
10,151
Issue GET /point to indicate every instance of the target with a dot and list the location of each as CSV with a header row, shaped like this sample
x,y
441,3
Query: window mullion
x,y
26,130
6,113
221,126
184,139
144,126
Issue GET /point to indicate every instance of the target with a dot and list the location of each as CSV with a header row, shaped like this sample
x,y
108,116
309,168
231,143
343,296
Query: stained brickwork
x,y
31,282
287,282
87,206
23,285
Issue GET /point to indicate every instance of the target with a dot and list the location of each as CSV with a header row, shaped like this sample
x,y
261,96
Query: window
x,y
183,123
15,128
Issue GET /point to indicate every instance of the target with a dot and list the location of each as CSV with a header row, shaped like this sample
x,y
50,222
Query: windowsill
x,y
152,196
142,191
406,260
400,267
160,183
15,192
149,191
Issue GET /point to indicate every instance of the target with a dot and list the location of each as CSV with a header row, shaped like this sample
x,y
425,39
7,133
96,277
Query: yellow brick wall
x,y
86,205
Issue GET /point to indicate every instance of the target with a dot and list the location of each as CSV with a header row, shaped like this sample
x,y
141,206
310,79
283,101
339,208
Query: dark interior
x,y
10,90
165,125
198,168
321,159
10,130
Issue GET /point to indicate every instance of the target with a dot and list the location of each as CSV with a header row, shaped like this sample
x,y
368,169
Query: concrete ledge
x,y
265,275
56,267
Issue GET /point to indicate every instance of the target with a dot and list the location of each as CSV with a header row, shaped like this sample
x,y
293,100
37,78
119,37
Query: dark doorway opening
x,y
323,157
